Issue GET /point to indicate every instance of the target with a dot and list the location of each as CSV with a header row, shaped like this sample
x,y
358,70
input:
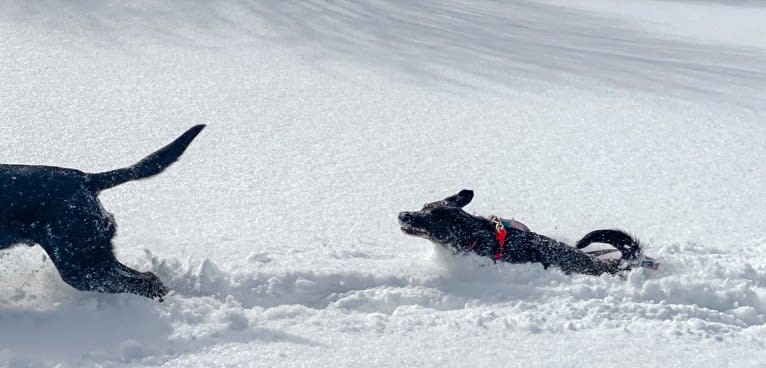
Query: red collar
x,y
500,234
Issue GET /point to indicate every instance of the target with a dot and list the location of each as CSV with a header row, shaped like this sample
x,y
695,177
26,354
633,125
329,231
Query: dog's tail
x,y
626,244
149,166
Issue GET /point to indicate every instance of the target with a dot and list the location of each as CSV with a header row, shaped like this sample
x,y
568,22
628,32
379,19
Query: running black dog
x,y
59,209
445,223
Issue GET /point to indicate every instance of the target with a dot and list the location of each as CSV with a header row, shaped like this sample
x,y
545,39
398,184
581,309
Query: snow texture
x,y
277,229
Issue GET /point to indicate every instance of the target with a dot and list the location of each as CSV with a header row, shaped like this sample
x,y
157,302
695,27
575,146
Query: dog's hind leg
x,y
93,267
572,260
550,252
115,277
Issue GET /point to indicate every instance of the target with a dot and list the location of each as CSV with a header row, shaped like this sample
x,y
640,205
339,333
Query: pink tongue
x,y
518,225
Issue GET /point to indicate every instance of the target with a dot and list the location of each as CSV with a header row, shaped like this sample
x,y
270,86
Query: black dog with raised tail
x,y
59,209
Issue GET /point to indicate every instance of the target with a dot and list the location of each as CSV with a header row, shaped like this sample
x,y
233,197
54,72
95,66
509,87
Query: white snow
x,y
277,228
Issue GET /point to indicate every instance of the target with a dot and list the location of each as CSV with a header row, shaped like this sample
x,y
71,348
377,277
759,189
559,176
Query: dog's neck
x,y
490,241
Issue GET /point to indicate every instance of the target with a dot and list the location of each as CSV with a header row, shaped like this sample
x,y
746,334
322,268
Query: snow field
x,y
277,228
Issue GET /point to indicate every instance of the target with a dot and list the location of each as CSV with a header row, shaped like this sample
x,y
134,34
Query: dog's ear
x,y
458,200
463,198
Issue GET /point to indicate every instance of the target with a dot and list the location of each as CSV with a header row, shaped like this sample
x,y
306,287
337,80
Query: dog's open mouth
x,y
409,230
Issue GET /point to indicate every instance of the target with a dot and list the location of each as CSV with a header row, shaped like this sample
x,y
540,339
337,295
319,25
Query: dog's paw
x,y
150,286
160,293
157,291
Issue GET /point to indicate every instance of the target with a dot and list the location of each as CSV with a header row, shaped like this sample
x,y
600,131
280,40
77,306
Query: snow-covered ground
x,y
278,230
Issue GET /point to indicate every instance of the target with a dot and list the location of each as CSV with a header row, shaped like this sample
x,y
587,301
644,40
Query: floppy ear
x,y
458,200
461,199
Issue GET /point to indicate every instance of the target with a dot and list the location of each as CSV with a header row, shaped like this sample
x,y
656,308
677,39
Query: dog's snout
x,y
405,217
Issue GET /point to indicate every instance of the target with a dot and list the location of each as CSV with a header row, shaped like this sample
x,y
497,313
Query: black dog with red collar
x,y
444,222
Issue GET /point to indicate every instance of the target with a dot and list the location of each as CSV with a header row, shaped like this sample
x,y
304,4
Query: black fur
x,y
59,209
444,222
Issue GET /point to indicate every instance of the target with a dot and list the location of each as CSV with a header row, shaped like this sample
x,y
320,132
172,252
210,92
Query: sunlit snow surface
x,y
277,228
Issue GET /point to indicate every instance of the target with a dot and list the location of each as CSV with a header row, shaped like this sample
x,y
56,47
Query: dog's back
x,y
28,195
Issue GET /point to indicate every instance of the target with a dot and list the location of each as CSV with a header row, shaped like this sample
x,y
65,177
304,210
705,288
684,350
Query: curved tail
x,y
149,166
626,244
